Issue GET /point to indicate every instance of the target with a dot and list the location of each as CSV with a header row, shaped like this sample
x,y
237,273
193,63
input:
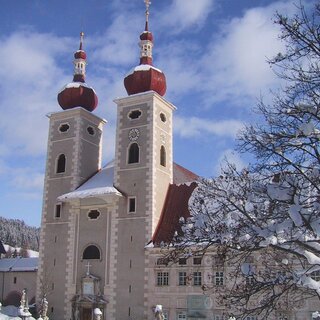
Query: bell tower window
x,y
61,164
163,156
134,152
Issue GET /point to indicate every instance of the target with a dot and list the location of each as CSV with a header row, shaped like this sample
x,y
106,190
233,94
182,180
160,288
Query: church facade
x,y
96,222
102,227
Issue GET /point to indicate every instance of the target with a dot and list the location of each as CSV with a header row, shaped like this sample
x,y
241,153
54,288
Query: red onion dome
x,y
77,94
146,35
145,78
80,54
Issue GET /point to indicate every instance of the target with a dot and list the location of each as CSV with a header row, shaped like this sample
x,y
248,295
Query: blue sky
x,y
213,53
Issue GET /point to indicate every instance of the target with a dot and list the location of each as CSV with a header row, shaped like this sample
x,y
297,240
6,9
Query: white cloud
x,y
236,64
25,179
31,78
119,44
193,127
183,14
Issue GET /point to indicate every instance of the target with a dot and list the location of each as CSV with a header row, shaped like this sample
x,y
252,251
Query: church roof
x,y
18,264
99,184
176,206
102,183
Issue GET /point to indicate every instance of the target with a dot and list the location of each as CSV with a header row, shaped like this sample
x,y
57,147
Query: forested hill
x,y
16,233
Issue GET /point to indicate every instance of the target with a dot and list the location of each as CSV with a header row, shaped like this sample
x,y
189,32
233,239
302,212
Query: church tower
x,y
143,172
73,155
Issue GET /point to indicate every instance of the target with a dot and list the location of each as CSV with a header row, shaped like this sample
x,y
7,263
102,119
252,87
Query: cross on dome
x,y
147,2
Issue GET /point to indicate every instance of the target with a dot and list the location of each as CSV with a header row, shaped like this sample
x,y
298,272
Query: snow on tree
x,y
265,220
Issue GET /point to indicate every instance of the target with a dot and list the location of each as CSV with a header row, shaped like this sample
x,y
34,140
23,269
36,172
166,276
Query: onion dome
x,y
77,93
145,77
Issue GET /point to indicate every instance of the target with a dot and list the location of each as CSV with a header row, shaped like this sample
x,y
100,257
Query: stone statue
x,y
158,313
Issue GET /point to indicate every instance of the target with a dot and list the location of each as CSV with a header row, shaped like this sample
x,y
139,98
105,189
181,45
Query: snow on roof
x,y
100,184
142,67
75,84
19,264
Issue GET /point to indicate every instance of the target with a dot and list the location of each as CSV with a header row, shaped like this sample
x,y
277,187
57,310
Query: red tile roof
x,y
175,207
183,175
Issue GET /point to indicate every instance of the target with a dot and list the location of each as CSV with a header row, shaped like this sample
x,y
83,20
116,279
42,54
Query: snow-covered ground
x,y
32,254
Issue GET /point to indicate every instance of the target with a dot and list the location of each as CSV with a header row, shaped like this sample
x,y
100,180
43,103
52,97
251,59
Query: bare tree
x,y
270,211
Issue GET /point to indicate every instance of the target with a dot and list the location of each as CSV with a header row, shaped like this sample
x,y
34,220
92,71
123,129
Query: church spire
x,y
145,77
80,62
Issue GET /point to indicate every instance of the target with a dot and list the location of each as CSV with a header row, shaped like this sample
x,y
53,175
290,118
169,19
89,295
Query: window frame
x,y
87,247
182,278
163,156
162,278
219,278
133,158
58,168
130,200
57,210
197,278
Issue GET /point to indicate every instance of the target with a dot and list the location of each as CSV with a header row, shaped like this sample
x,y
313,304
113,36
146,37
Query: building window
x,y
57,211
182,261
91,131
61,164
197,261
163,117
249,281
197,278
181,316
64,128
219,278
91,252
162,278
134,114
134,151
162,262
182,278
315,275
93,214
131,204
15,280
163,156
218,262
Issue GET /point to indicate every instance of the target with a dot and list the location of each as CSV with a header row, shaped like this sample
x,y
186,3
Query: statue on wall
x,y
158,313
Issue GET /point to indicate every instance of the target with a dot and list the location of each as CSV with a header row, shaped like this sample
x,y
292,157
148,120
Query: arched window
x,y
163,156
133,153
61,164
91,252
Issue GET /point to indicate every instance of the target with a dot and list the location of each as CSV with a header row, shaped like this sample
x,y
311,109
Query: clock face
x,y
134,134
